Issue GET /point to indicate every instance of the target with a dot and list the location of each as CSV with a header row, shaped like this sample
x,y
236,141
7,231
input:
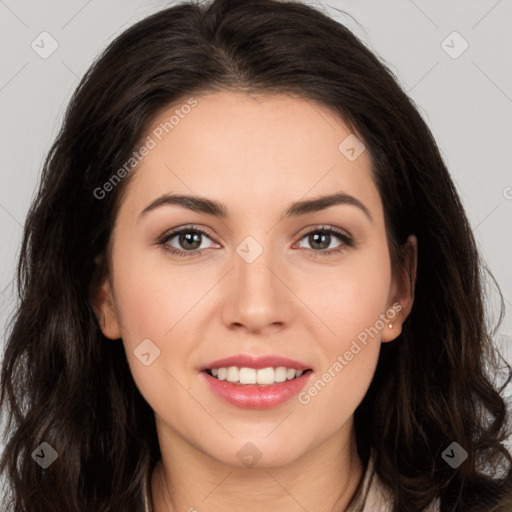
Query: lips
x,y
259,396
248,361
255,396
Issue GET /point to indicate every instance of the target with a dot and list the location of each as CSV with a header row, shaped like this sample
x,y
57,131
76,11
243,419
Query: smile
x,y
261,376
268,394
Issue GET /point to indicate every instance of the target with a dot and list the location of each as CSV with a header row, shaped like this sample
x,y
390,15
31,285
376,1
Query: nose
x,y
258,298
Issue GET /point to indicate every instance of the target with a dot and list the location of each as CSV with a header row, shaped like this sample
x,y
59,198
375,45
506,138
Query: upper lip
x,y
248,361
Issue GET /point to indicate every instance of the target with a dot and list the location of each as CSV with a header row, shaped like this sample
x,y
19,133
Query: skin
x,y
257,155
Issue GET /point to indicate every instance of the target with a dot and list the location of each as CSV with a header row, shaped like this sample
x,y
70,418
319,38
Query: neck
x,y
323,479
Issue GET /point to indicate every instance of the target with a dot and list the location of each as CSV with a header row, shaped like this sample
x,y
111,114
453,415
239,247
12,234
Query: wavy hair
x,y
64,383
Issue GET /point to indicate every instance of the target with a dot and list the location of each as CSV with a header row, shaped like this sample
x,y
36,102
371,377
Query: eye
x,y
189,241
187,238
320,239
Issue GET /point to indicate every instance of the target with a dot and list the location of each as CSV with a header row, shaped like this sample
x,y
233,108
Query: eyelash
x,y
345,239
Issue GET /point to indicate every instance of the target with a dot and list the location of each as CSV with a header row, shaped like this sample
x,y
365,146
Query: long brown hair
x,y
65,384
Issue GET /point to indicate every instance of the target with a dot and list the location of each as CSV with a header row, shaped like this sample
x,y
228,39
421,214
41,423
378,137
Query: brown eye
x,y
320,239
189,241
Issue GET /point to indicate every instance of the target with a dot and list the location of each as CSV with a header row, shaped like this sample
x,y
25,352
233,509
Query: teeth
x,y
232,374
246,376
263,376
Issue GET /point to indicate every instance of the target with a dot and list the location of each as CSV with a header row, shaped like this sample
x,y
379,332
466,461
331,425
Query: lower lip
x,y
253,396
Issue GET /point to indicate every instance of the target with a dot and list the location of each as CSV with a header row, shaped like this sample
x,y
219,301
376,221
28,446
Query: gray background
x,y
466,100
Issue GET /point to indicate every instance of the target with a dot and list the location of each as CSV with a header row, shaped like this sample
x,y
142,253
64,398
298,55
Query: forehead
x,y
251,150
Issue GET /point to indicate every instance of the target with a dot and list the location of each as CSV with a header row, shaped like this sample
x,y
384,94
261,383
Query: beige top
x,y
374,497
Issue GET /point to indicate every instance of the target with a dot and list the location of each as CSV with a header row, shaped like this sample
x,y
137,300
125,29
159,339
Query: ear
x,y
104,307
402,291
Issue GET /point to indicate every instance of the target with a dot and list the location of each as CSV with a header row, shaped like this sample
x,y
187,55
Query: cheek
x,y
352,297
354,309
148,295
336,391
156,301
349,355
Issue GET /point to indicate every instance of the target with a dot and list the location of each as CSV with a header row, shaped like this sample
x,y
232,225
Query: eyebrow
x,y
217,209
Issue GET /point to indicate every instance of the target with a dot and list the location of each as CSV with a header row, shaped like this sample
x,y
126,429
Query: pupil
x,y
315,237
190,238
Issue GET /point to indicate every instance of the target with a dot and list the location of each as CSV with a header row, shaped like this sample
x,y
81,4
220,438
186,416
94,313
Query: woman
x,y
247,282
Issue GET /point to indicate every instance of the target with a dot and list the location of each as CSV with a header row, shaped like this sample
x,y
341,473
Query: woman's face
x,y
268,281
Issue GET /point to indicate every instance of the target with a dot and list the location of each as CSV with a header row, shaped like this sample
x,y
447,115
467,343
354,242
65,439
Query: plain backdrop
x,y
454,59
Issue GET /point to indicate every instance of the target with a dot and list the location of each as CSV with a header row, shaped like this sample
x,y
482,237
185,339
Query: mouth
x,y
256,382
244,376
251,388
